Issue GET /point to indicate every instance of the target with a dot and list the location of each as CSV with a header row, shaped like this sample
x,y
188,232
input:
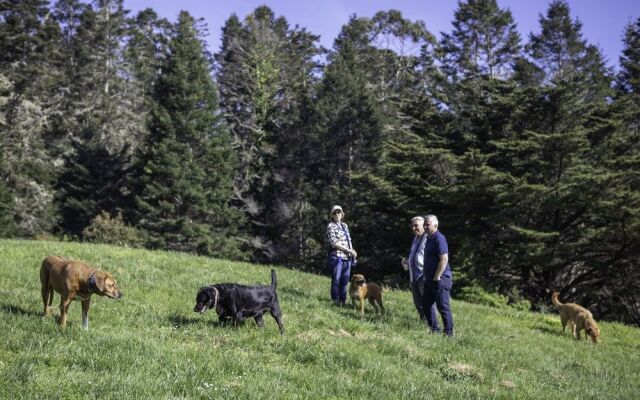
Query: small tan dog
x,y
74,280
360,290
579,317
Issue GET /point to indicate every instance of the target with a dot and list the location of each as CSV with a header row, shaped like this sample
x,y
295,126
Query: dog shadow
x,y
17,310
182,321
354,313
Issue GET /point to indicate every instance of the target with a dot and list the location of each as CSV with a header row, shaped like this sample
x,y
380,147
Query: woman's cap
x,y
336,208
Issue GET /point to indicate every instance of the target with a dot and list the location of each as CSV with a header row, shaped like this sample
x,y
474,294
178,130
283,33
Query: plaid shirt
x,y
339,235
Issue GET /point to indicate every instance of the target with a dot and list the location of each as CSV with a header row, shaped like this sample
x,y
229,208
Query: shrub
x,y
106,229
478,295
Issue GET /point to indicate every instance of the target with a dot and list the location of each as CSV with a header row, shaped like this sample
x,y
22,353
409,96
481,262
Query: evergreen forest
x,y
125,128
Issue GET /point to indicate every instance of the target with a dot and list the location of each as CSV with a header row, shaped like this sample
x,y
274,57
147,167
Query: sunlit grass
x,y
151,345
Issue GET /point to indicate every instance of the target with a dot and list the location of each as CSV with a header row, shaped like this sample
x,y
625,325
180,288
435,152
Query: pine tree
x,y
91,183
484,41
101,100
187,163
623,158
370,106
28,38
554,194
266,75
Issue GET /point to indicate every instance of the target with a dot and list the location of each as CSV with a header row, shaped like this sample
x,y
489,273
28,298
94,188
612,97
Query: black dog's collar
x,y
92,287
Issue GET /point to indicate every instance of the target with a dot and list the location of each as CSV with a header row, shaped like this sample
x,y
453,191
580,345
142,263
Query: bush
x,y
478,295
109,230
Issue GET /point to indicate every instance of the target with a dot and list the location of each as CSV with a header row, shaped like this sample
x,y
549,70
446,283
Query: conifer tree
x,y
368,127
553,194
266,75
484,41
92,182
187,163
28,38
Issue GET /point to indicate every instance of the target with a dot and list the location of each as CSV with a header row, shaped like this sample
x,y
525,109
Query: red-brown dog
x,y
578,317
74,280
361,290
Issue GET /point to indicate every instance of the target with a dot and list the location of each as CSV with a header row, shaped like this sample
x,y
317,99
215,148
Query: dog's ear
x,y
100,281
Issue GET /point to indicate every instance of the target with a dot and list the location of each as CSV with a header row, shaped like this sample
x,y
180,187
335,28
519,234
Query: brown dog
x,y
360,290
579,317
74,280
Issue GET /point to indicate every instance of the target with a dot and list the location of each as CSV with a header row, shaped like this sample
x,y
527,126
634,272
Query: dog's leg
x,y
381,306
85,313
51,293
45,299
373,303
64,307
277,315
361,306
563,321
259,321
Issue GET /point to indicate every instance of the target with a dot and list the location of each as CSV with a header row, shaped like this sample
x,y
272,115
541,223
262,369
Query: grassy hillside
x,y
150,344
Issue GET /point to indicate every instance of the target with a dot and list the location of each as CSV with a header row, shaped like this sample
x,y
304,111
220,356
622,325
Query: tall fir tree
x,y
366,126
91,182
28,41
553,194
623,158
484,41
187,164
266,72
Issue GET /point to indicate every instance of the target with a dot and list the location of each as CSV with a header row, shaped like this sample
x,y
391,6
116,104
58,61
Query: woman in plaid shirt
x,y
341,255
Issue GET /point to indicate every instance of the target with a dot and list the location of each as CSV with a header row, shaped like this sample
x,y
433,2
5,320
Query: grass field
x,y
151,345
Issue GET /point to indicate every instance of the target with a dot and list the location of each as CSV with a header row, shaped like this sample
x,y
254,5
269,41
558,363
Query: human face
x,y
417,226
337,215
430,227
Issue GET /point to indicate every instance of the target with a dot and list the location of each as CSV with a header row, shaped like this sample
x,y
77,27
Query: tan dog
x,y
360,290
579,317
74,280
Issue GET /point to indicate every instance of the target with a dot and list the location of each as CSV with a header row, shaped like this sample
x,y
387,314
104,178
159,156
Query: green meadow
x,y
151,345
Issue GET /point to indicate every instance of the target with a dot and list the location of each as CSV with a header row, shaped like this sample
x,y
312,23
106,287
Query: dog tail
x,y
385,289
273,279
555,300
44,273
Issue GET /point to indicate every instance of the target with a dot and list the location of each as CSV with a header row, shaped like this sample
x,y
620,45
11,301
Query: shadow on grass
x,y
182,321
17,310
556,331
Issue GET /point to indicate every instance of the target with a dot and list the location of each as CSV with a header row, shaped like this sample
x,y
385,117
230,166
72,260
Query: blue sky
x,y
603,20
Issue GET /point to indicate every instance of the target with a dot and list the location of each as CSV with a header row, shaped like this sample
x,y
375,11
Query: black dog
x,y
238,302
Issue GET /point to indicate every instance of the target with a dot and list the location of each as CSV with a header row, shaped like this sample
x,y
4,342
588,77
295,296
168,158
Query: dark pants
x,y
417,291
340,273
438,292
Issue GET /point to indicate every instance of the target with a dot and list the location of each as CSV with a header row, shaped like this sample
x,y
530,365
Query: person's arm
x,y
442,264
333,240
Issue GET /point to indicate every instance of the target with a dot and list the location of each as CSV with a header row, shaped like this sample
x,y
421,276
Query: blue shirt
x,y
436,246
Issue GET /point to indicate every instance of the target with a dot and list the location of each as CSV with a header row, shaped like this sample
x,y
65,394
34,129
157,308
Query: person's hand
x,y
405,264
436,279
353,253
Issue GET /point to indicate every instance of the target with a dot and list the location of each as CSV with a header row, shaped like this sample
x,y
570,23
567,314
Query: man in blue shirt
x,y
438,277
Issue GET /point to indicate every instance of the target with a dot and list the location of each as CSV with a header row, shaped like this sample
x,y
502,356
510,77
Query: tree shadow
x,y
17,310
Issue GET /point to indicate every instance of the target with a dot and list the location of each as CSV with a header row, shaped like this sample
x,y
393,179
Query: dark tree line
x,y
125,127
